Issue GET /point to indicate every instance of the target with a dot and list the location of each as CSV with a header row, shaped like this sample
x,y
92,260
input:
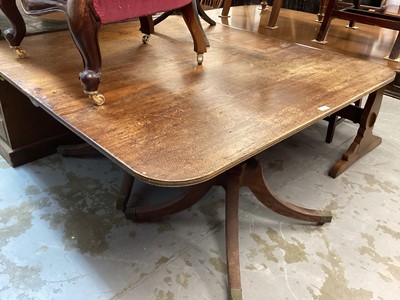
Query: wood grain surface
x,y
171,122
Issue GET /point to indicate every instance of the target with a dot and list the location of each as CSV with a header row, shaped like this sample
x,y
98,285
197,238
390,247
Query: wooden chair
x,y
211,4
85,18
338,117
200,10
361,14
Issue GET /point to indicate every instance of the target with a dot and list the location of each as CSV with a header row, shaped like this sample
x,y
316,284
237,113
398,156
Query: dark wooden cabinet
x,y
27,132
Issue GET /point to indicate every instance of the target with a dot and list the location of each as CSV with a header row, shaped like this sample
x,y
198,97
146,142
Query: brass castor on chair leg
x,y
200,58
145,38
96,97
20,52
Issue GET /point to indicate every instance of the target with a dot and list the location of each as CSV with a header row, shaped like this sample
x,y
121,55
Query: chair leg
x,y
203,14
395,52
84,29
16,34
193,23
147,27
321,11
162,17
323,30
226,8
332,122
200,10
352,25
264,5
273,18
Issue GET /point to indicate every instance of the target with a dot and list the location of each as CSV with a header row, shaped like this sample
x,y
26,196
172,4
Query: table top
x,y
173,123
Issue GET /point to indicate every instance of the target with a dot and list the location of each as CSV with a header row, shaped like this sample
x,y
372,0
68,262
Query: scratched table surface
x,y
173,123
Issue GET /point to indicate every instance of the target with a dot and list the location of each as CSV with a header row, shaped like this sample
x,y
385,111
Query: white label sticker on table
x,y
323,108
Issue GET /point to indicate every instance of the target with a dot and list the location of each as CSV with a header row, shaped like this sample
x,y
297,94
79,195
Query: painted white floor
x,y
62,238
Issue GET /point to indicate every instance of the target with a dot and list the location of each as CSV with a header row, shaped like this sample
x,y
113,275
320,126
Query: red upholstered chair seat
x,y
111,11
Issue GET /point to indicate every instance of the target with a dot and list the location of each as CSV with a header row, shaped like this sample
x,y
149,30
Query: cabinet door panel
x,y
3,133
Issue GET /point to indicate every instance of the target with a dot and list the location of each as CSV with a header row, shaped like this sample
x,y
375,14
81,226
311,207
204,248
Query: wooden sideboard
x,y
27,132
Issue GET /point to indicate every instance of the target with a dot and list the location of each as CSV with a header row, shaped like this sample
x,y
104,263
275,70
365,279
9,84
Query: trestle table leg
x,y
364,141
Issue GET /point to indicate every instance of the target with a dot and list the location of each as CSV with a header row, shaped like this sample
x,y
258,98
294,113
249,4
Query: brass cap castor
x,y
145,38
200,58
326,217
96,97
20,52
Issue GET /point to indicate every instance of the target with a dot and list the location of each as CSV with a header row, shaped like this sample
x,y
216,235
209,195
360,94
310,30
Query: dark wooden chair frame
x,y
358,13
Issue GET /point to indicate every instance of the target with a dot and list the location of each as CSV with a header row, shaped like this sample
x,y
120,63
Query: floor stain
x,y
4,165
377,258
258,267
168,280
183,279
88,214
211,209
346,182
203,262
87,232
219,265
188,263
163,260
387,230
264,247
42,250
52,162
374,185
335,285
250,267
164,226
16,220
384,278
251,252
333,206
386,186
162,295
293,252
22,277
32,190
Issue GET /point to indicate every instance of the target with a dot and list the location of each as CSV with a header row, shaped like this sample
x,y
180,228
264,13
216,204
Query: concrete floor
x,y
62,238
